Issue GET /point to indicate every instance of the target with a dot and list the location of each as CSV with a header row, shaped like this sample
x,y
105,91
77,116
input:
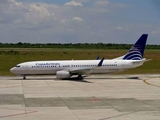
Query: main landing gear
x,y
80,77
24,77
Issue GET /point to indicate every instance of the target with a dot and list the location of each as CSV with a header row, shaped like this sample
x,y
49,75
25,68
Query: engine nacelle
x,y
63,74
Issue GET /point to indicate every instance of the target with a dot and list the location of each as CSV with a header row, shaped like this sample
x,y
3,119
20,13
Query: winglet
x,y
97,58
100,63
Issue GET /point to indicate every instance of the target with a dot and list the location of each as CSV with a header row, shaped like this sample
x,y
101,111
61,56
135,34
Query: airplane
x,y
65,69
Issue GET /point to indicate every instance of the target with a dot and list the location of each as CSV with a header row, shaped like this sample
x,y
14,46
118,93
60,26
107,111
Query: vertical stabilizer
x,y
137,50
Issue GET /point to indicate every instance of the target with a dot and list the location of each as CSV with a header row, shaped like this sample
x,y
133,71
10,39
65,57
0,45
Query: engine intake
x,y
63,74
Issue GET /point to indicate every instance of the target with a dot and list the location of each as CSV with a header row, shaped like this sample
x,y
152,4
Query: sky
x,y
79,21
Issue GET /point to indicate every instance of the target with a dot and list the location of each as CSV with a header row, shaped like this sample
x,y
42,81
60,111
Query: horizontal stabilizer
x,y
146,60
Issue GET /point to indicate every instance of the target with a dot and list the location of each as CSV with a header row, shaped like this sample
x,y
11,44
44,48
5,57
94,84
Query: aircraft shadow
x,y
109,78
31,79
75,79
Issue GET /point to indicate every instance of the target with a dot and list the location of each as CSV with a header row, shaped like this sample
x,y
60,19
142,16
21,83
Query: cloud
x,y
77,19
39,13
63,21
73,3
119,28
93,21
155,32
102,2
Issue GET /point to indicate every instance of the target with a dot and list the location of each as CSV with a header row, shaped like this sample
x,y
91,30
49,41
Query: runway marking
x,y
118,116
20,86
145,81
93,99
26,112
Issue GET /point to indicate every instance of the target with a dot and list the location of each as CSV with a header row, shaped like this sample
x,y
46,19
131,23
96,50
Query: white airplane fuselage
x,y
67,68
89,67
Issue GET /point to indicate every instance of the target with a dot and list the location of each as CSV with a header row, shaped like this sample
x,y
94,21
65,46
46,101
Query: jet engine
x,y
63,74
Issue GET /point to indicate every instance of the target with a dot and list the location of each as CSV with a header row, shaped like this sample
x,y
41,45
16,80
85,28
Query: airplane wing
x,y
86,69
80,71
117,58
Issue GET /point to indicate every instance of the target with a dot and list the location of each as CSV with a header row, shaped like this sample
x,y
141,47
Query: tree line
x,y
70,45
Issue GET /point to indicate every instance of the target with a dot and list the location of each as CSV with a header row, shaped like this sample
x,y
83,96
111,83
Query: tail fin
x,y
137,50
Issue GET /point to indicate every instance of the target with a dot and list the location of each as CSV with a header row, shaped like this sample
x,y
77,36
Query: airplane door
x,y
26,67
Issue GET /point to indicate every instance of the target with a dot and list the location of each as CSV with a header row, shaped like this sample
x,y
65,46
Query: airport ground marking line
x,y
23,113
145,81
20,86
118,115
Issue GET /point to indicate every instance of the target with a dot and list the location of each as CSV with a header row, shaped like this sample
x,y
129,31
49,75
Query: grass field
x,y
10,57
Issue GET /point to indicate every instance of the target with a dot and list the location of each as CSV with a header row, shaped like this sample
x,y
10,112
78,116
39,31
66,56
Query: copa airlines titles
x,y
47,64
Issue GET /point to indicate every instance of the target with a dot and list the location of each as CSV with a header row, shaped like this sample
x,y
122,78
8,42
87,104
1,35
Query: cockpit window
x,y
18,66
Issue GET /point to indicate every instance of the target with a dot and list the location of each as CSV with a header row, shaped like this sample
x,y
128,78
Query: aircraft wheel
x,y
24,77
80,77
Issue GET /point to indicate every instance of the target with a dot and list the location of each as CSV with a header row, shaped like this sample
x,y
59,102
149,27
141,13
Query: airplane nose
x,y
12,70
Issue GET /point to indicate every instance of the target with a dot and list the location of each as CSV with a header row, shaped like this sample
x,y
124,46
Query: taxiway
x,y
107,97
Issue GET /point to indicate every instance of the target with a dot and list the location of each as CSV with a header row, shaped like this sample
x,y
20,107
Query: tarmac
x,y
98,97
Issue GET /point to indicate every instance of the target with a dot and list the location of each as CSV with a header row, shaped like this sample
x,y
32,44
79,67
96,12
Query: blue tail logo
x,y
137,50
